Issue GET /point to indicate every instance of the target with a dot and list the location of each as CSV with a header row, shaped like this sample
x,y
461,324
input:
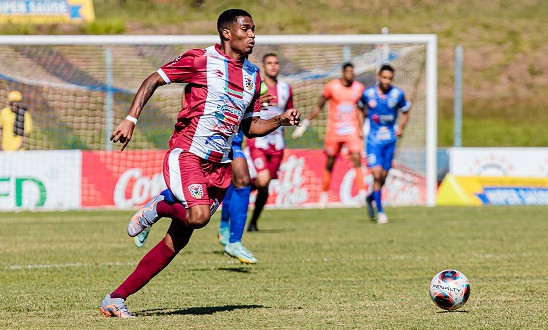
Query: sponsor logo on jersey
x,y
196,190
219,73
232,92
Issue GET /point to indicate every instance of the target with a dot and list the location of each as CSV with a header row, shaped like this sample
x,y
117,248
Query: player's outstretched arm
x,y
124,131
255,126
299,131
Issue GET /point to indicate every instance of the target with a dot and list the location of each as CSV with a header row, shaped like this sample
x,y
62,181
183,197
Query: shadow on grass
x,y
245,270
271,231
457,311
195,310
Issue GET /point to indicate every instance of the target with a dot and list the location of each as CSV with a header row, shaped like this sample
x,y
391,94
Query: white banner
x,y
40,179
513,162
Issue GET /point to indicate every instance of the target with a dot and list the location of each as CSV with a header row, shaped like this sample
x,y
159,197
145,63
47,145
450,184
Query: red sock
x,y
151,264
173,211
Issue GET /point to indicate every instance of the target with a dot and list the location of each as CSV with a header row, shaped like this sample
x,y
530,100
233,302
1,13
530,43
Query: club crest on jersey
x,y
392,102
249,84
196,190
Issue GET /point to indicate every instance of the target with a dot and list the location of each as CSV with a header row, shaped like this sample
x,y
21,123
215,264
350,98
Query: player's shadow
x,y
457,311
195,310
271,231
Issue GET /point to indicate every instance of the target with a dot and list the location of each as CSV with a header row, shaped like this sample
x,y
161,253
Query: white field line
x,y
222,261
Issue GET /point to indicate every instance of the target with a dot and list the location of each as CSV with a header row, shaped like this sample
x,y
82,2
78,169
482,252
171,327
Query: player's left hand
x,y
265,99
399,132
290,117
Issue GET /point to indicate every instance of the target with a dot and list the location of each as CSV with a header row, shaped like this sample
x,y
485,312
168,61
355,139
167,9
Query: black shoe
x,y
252,227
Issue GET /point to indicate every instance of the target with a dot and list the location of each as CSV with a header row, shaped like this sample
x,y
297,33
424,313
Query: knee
x,y
242,181
199,218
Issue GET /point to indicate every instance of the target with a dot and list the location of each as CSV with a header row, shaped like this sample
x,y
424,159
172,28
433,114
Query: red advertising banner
x,y
130,178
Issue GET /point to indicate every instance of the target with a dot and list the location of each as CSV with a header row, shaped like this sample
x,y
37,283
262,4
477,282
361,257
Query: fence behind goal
x,y
78,88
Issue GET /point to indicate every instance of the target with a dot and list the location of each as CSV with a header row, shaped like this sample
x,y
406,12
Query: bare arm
x,y
318,108
403,122
124,131
255,126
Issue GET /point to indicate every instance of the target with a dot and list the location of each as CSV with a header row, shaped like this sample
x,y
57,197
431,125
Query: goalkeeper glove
x,y
299,131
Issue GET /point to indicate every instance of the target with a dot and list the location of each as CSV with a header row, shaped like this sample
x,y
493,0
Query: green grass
x,y
317,269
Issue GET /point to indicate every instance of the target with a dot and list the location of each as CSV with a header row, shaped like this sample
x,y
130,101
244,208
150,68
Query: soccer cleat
x,y
141,239
382,218
145,217
114,307
324,197
370,207
223,235
238,251
252,227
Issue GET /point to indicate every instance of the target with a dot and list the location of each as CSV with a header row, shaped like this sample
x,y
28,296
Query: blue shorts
x,y
380,154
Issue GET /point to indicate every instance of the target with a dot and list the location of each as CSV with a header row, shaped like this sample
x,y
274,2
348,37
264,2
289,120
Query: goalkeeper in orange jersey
x,y
344,124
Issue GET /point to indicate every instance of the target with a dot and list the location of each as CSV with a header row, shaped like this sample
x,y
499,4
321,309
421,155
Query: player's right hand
x,y
299,131
123,133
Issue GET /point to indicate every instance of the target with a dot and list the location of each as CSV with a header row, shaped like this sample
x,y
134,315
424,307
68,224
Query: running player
x,y
222,91
267,151
344,124
235,206
381,104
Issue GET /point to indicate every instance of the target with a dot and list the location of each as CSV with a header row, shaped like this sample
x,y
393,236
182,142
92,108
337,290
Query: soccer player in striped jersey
x,y
267,151
222,91
381,104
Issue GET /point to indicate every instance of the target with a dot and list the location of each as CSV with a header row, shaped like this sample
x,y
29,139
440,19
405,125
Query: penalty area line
x,y
69,265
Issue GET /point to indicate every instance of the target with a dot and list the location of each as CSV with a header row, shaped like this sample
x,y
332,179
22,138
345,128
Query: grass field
x,y
317,269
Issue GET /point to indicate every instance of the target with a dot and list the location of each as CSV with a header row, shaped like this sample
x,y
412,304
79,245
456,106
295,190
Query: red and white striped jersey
x,y
219,94
283,101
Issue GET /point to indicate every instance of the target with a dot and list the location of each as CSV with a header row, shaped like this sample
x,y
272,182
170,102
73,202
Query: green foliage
x,y
18,29
317,269
104,26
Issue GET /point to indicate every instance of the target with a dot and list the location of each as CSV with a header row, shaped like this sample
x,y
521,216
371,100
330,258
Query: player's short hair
x,y
386,67
346,65
268,55
228,17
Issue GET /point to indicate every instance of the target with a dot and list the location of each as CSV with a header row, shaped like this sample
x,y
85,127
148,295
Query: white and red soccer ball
x,y
449,289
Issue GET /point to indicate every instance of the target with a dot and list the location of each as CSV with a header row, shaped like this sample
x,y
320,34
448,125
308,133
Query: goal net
x,y
78,88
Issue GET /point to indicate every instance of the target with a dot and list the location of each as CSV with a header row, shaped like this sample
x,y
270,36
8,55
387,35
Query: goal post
x,y
81,86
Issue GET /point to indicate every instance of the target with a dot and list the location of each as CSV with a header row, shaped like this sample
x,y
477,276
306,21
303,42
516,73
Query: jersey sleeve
x,y
326,93
289,104
403,104
181,69
28,123
362,102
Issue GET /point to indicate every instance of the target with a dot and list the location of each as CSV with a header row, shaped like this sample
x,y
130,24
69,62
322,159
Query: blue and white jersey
x,y
382,112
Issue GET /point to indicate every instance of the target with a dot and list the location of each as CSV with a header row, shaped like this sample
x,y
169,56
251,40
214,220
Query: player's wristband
x,y
132,119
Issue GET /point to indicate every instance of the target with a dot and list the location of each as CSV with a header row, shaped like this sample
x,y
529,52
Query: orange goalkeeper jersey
x,y
342,118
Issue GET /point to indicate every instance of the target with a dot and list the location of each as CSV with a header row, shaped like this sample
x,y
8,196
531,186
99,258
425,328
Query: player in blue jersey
x,y
235,206
381,104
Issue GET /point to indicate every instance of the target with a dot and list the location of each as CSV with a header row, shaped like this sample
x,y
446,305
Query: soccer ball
x,y
449,289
